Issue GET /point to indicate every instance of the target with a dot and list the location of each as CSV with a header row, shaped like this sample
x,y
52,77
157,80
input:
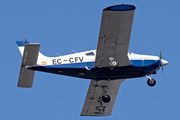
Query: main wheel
x,y
113,63
106,99
151,82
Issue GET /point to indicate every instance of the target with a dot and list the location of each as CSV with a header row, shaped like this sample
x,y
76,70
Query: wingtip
x,y
121,7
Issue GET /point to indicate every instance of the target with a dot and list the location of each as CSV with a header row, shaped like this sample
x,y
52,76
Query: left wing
x,y
93,105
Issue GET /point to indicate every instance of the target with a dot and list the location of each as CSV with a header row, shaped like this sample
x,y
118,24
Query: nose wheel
x,y
151,82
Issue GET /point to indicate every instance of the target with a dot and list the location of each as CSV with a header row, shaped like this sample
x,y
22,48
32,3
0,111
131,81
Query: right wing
x,y
114,36
93,105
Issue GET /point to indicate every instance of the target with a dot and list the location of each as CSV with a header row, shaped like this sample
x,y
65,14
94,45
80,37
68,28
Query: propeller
x,y
162,62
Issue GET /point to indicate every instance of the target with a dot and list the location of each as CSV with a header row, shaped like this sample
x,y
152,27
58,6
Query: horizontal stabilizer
x,y
30,56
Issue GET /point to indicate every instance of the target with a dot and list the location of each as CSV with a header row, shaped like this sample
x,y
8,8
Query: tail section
x,y
31,56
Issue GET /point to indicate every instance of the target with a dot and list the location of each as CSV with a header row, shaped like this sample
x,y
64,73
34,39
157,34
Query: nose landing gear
x,y
151,82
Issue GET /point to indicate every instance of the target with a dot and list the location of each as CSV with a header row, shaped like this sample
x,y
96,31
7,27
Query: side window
x,y
90,53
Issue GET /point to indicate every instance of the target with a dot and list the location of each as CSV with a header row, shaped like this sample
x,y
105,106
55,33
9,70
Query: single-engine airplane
x,y
107,67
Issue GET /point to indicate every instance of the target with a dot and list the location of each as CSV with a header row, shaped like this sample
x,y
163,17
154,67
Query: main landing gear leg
x,y
151,82
113,63
105,98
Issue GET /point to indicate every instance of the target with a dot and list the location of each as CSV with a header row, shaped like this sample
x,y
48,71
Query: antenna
x,y
57,53
74,51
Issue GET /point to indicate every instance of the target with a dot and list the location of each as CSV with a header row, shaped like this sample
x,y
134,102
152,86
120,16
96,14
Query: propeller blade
x,y
160,58
161,63
160,55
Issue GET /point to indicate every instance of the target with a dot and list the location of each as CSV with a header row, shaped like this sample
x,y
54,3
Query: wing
x,y
93,105
114,36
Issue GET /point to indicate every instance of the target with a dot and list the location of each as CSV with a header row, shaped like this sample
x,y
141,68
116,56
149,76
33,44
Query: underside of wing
x,y
114,36
94,104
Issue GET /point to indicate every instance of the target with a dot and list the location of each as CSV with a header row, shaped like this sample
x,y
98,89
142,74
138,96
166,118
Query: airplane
x,y
107,67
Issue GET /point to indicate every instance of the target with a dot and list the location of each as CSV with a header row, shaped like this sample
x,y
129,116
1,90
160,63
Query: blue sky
x,y
65,25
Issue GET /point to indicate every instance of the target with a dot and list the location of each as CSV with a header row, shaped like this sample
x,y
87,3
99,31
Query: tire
x,y
113,63
151,82
106,99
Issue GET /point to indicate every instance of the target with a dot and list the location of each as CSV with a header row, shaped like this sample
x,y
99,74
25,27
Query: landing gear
x,y
113,63
151,82
105,98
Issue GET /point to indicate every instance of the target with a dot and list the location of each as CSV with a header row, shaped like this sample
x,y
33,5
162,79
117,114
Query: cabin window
x,y
90,53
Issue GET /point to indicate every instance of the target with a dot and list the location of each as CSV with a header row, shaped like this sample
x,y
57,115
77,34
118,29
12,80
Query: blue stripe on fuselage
x,y
72,65
143,63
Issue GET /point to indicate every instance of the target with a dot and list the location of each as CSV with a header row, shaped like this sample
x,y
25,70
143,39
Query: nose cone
x,y
163,62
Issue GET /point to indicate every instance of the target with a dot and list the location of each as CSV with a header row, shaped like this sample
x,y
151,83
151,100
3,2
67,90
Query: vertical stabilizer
x,y
21,45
